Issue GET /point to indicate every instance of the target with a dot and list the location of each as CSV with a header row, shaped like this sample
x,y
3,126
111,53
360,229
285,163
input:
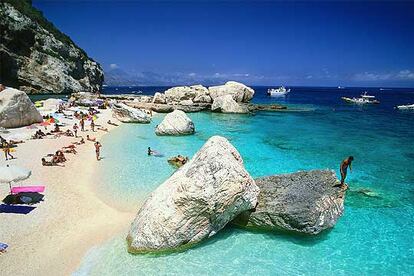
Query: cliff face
x,y
37,58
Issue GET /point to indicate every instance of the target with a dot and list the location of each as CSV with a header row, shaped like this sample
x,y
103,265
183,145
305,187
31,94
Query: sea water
x,y
375,236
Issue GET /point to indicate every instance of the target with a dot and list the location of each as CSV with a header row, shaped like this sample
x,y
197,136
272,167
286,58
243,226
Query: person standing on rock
x,y
344,168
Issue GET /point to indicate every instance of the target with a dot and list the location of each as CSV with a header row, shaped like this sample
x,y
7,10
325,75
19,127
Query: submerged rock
x,y
305,202
17,110
127,114
196,202
239,91
226,104
175,123
38,58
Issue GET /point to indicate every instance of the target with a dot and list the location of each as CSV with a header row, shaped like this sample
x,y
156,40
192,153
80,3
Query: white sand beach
x,y
53,238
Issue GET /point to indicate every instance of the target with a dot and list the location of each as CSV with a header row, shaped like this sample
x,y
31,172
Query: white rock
x,y
226,104
175,123
127,114
17,110
239,91
196,202
186,102
52,104
181,93
159,98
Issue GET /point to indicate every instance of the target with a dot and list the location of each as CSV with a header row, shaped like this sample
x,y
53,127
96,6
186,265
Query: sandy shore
x,y
53,238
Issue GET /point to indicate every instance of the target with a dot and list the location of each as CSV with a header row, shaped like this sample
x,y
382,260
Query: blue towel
x,y
3,246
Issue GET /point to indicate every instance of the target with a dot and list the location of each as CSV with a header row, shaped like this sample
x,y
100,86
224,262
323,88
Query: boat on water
x,y
277,92
405,107
364,99
341,87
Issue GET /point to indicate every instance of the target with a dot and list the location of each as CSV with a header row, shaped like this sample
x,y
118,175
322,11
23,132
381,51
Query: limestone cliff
x,y
37,58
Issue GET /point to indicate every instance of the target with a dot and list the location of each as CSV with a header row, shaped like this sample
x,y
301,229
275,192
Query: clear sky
x,y
270,43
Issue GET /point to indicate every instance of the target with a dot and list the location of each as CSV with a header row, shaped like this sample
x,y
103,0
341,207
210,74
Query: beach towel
x,y
3,247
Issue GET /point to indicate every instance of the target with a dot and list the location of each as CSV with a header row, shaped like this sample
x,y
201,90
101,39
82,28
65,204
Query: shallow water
x,y
374,236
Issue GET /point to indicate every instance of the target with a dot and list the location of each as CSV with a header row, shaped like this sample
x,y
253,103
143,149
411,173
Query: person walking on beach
x,y
75,129
93,125
6,149
98,150
344,168
82,124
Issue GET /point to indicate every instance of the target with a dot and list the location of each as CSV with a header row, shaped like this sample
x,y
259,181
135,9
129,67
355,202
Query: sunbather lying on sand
x,y
50,163
111,123
59,157
82,141
92,139
103,129
39,135
69,133
3,246
15,142
71,150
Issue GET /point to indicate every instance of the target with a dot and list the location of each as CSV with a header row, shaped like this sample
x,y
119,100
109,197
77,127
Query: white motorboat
x,y
406,107
364,99
277,92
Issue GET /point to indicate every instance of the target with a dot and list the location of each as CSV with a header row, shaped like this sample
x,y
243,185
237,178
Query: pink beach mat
x,y
30,189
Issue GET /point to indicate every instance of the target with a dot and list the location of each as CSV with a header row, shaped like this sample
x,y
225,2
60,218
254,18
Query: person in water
x,y
150,151
344,168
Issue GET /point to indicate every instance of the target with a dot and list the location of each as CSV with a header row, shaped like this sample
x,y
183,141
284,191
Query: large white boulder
x,y
159,98
17,110
196,202
181,93
239,91
127,114
226,104
175,123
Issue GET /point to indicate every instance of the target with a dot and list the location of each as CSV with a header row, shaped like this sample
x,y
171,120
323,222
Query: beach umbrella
x,y
11,173
51,120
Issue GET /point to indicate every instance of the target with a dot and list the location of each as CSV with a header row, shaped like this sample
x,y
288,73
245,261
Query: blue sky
x,y
269,43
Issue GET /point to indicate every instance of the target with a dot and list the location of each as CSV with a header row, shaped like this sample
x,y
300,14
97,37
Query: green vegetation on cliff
x,y
26,8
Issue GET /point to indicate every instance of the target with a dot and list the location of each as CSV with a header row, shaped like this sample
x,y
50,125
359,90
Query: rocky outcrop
x,y
38,58
175,123
17,110
127,114
305,202
240,92
196,202
159,98
226,104
182,93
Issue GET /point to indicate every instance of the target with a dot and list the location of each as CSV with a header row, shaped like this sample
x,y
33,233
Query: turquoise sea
x,y
375,236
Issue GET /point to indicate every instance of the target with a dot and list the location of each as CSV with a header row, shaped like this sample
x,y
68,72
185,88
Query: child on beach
x,y
98,150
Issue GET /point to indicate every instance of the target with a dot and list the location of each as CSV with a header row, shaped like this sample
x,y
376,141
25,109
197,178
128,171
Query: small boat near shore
x,y
364,99
278,92
405,107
